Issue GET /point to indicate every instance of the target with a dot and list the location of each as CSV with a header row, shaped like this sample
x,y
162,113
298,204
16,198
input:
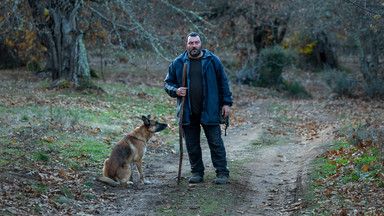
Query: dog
x,y
130,150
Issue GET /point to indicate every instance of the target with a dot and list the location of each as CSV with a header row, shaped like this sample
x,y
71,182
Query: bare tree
x,y
367,32
248,27
57,25
62,26
356,26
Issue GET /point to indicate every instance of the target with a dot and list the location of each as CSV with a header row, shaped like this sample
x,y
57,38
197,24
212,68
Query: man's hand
x,y
226,110
182,91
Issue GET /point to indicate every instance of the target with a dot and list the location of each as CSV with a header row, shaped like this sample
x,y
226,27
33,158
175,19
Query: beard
x,y
194,52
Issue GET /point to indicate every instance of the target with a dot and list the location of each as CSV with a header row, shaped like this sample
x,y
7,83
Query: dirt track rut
x,y
274,174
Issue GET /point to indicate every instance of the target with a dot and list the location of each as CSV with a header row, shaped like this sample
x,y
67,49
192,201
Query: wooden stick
x,y
181,124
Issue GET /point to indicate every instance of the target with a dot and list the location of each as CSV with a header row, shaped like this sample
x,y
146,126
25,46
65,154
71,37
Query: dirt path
x,y
271,178
275,175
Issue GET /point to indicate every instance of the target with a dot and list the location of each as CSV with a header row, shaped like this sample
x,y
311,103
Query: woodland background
x,y
60,37
75,72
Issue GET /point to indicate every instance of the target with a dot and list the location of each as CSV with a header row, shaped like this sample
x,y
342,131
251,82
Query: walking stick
x,y
181,125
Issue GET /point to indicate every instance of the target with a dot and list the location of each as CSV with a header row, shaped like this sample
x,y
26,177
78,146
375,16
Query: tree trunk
x,y
58,30
269,33
323,50
369,63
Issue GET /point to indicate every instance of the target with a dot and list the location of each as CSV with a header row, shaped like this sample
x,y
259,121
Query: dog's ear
x,y
146,120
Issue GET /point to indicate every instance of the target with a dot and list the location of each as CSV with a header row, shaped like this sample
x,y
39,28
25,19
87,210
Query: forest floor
x,y
272,143
270,152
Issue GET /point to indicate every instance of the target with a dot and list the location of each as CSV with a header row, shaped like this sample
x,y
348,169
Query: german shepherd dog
x,y
128,151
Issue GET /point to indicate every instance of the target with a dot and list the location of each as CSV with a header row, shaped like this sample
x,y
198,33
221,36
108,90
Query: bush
x,y
271,63
303,43
313,50
339,82
266,70
374,88
33,66
297,90
93,73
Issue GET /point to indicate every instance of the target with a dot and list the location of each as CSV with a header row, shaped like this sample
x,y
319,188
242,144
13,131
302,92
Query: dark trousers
x,y
215,143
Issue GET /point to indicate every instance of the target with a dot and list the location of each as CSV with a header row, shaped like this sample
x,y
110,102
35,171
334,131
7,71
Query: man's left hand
x,y
226,110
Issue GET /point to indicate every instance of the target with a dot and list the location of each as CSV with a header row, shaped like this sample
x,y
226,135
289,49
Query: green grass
x,y
274,107
74,126
346,165
24,118
61,200
273,137
205,199
41,188
237,169
208,198
63,136
42,156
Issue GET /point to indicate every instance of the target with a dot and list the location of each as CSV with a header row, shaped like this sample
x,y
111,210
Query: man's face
x,y
194,46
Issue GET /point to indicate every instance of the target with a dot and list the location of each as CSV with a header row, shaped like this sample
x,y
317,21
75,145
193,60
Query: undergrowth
x,y
55,141
349,179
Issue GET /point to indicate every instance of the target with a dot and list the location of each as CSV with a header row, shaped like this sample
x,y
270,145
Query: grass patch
x,y
274,107
296,90
202,199
207,198
61,200
349,174
71,129
58,140
273,136
42,156
236,168
67,192
24,118
41,188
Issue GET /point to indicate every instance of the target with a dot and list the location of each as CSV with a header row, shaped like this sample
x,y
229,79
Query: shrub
x,y
374,87
297,90
94,73
339,82
33,66
303,43
271,63
313,50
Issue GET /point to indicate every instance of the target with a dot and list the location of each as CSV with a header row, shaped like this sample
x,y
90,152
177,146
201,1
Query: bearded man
x,y
207,96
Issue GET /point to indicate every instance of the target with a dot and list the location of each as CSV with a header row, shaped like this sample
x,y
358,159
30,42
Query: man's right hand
x,y
182,91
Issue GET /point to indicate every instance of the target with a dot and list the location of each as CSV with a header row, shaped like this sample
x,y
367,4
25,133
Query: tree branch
x,y
365,9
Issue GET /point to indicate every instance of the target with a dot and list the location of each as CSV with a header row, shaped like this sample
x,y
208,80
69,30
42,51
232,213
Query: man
x,y
207,96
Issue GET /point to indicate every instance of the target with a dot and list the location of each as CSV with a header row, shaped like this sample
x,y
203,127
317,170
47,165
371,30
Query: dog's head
x,y
153,125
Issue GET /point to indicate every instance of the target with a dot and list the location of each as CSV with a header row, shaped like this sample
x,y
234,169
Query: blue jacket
x,y
216,91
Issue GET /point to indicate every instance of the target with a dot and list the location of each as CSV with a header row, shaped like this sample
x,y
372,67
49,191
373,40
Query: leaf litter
x,y
35,187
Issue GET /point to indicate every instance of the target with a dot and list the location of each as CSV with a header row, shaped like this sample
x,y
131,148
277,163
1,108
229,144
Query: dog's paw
x,y
147,182
129,182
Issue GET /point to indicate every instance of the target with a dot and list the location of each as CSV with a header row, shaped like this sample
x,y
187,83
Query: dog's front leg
x,y
125,175
140,169
132,171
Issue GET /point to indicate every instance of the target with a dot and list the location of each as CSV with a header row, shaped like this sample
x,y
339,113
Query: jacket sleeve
x,y
225,95
170,83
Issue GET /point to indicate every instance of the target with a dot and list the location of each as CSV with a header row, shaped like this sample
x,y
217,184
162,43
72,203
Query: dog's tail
x,y
108,181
